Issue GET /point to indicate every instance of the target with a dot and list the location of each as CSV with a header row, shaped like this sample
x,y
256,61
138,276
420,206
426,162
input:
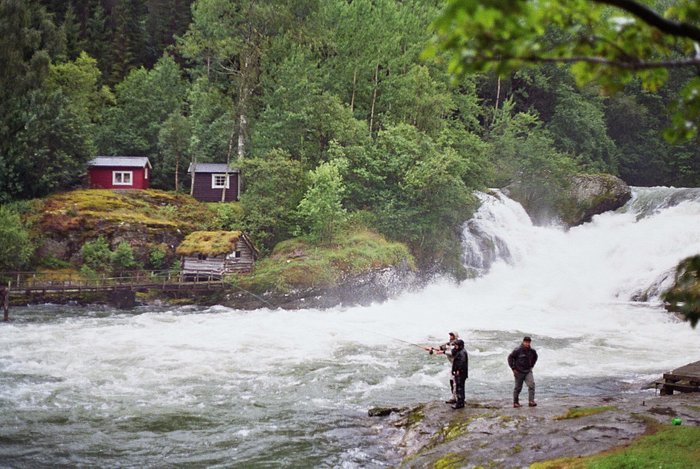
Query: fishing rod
x,y
426,348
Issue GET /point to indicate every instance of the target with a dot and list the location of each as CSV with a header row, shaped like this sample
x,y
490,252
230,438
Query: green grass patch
x,y
671,447
296,263
577,412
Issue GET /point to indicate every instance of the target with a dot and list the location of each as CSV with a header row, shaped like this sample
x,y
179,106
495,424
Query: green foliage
x,y
122,258
609,45
144,101
273,187
684,296
96,254
526,159
15,245
210,121
579,130
157,256
174,140
321,208
228,216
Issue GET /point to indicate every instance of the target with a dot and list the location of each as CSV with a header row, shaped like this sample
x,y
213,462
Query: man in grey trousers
x,y
522,360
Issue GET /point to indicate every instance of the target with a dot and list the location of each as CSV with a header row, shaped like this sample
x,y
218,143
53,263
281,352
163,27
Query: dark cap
x,y
459,343
527,339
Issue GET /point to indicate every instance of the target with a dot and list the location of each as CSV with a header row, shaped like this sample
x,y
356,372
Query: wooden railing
x,y
57,281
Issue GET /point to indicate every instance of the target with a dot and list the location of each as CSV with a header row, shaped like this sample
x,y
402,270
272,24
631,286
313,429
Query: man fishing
x,y
522,360
460,371
446,349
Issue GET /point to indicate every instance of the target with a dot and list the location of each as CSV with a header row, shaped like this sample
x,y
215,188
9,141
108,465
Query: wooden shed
x,y
214,182
216,253
119,172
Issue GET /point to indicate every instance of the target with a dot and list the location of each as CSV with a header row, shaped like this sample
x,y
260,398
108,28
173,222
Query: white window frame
x,y
214,184
145,172
122,174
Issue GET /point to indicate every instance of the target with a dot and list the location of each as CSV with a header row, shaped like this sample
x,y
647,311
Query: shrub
x,y
15,245
156,256
96,254
229,216
123,258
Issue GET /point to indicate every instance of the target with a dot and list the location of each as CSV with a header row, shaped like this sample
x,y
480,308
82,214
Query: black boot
x,y
458,405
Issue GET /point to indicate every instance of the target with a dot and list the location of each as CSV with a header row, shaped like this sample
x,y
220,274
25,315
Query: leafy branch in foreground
x,y
610,42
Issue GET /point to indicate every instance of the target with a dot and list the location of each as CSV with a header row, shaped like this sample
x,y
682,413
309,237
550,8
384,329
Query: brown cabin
x,y
214,182
213,254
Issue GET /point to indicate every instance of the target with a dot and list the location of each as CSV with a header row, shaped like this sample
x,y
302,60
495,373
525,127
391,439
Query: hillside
x,y
87,232
147,220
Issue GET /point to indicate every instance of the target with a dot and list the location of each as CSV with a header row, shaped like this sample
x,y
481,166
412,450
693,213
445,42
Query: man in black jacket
x,y
460,371
522,360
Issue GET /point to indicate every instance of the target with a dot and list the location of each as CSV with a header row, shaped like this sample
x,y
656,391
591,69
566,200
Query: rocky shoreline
x,y
493,434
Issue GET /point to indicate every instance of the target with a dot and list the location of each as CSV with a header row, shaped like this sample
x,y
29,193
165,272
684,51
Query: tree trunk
x,y
228,160
242,130
374,98
194,166
354,86
177,172
244,92
498,98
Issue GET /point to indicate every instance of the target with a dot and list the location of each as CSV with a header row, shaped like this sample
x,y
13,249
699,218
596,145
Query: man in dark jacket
x,y
460,371
522,360
446,349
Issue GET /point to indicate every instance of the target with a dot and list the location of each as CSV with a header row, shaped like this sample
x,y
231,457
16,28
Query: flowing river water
x,y
218,387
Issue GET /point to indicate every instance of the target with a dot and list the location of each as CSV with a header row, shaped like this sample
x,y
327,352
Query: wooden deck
x,y
683,379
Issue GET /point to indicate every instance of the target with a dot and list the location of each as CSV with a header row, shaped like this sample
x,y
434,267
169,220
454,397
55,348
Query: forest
x,y
332,109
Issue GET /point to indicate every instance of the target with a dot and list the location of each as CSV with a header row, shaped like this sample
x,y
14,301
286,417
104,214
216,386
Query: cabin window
x,y
237,254
219,181
202,257
122,178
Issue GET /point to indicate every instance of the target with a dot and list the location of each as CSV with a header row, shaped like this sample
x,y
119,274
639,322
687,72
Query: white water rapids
x,y
218,387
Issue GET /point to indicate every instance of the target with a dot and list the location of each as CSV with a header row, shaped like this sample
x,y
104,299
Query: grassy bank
x,y
669,447
296,264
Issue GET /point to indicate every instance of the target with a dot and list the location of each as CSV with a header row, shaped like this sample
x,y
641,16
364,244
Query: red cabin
x,y
119,172
215,182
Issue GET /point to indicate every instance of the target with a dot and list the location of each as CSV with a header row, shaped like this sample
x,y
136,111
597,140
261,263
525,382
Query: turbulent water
x,y
219,387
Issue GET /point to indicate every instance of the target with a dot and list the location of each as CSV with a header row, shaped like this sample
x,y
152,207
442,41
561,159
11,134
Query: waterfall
x,y
630,254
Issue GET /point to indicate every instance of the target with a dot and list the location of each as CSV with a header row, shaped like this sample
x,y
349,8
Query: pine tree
x,y
129,41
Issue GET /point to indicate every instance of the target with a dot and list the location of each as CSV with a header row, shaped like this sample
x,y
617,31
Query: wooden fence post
x,y
5,297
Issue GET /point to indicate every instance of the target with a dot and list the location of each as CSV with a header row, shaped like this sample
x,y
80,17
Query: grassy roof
x,y
210,243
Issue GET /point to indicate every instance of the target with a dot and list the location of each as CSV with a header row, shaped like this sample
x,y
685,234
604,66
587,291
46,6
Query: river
x,y
217,387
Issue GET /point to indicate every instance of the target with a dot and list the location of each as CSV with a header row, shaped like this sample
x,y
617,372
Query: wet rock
x,y
586,195
383,411
593,194
493,434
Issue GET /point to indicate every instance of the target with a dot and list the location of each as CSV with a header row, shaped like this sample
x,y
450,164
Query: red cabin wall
x,y
101,178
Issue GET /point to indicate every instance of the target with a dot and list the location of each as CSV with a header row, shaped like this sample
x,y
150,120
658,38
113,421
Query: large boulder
x,y
584,196
592,194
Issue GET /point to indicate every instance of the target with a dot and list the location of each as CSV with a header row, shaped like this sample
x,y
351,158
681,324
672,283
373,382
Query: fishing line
x,y
256,296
